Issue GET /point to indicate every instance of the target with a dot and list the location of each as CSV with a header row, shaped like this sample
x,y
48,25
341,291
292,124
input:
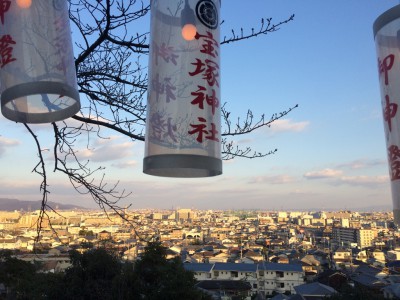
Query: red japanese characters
x,y
183,132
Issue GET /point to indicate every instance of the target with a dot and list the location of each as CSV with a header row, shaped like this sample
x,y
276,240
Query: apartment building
x,y
281,278
185,214
265,278
346,236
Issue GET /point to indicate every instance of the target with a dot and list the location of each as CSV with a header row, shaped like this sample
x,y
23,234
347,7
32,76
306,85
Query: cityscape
x,y
242,254
275,162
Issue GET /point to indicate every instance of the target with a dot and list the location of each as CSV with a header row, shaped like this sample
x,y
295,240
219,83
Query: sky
x,y
331,149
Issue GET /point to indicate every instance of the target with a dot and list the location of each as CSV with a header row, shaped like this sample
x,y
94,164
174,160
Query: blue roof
x,y
394,264
280,267
198,267
241,267
314,289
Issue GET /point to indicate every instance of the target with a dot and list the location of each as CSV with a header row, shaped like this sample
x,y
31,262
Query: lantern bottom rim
x,y
43,90
182,165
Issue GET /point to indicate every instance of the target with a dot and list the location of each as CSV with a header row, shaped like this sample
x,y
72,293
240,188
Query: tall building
x,y
185,214
346,236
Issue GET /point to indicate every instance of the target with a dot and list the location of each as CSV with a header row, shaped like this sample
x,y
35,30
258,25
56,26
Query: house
x,y
378,259
391,291
170,254
254,255
333,278
245,260
279,278
393,255
370,279
342,256
9,243
280,297
265,278
201,271
227,289
280,259
394,266
104,235
232,271
311,266
130,254
219,257
362,256
315,290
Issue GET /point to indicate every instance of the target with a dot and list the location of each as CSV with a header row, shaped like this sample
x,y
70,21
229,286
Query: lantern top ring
x,y
386,17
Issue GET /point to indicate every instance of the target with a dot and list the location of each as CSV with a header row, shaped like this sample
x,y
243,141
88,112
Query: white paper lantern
x,y
37,69
387,40
183,134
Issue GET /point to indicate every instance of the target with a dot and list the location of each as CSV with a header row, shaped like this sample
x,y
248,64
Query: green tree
x,y
159,278
92,275
17,275
100,275
24,282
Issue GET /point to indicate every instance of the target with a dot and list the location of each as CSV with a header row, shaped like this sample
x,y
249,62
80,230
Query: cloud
x,y
325,173
6,143
125,164
279,179
365,181
303,192
107,149
362,164
245,141
287,125
107,152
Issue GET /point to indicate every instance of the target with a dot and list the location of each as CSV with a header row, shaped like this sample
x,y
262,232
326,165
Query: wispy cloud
x,y
362,164
337,177
278,179
287,125
126,164
6,143
303,192
325,173
365,181
107,150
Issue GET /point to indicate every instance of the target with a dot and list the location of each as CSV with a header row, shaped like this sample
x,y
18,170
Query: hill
x,y
7,204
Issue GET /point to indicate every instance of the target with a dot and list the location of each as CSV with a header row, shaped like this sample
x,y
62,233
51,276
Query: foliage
x,y
84,232
164,279
356,293
98,274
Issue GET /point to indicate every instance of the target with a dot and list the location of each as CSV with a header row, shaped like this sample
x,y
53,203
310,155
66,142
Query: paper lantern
x,y
37,70
183,134
387,40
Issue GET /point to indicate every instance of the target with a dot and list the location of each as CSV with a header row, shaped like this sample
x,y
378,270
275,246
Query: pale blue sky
x,y
331,150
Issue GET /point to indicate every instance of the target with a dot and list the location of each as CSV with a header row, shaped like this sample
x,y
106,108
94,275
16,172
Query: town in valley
x,y
243,252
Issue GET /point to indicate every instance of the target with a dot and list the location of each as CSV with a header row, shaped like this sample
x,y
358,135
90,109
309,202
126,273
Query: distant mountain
x,y
14,204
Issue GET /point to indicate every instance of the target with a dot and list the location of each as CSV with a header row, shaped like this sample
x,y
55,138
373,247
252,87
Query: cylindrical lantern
x,y
37,69
183,134
387,40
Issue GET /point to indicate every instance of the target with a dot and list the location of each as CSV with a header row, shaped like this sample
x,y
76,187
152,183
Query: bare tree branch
x,y
111,59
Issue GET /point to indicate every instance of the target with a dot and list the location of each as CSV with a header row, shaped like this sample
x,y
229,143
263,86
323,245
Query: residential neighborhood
x,y
232,254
